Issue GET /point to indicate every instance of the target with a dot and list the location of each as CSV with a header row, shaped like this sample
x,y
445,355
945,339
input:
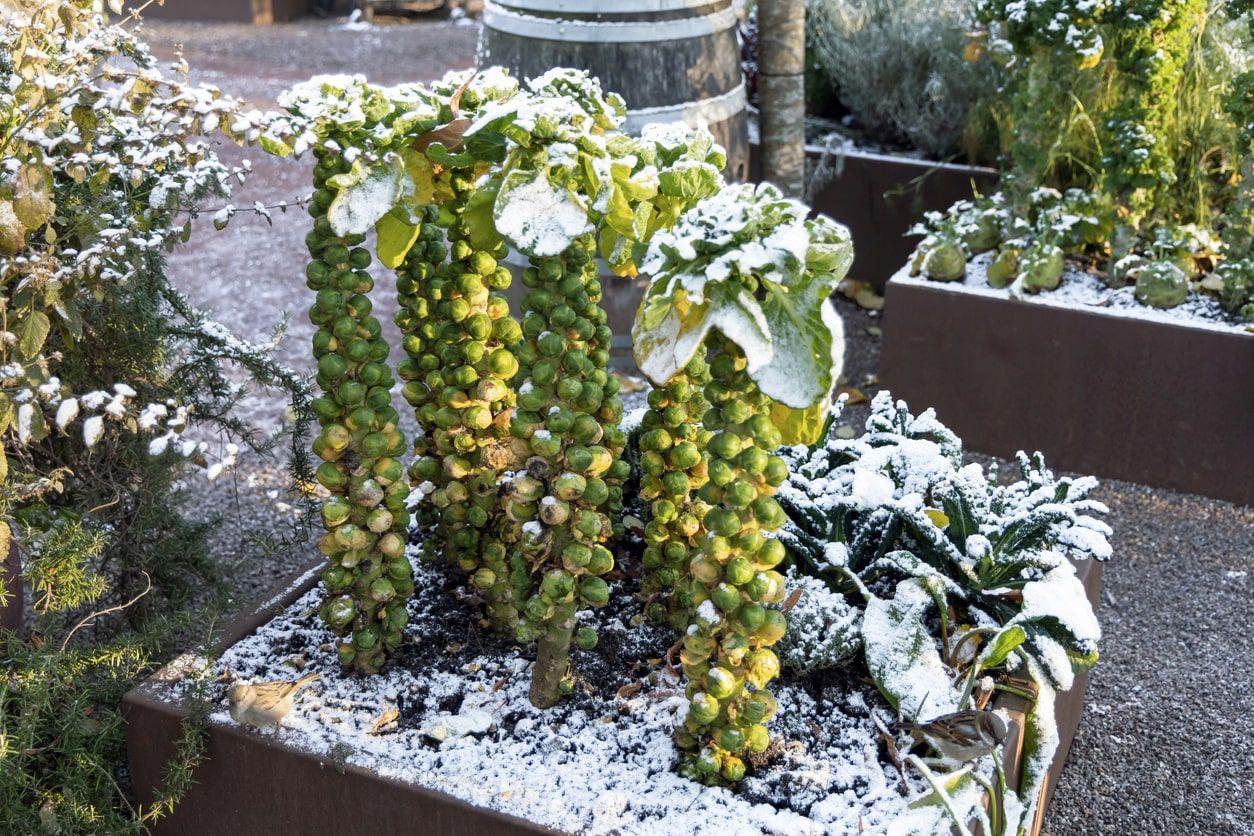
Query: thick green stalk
x,y
369,578
674,464
459,336
566,425
726,652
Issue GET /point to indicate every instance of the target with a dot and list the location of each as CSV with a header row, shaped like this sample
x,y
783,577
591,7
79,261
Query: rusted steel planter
x,y
879,197
1097,391
257,783
12,608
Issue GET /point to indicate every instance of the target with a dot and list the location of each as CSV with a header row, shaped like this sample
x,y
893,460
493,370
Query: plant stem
x,y
552,659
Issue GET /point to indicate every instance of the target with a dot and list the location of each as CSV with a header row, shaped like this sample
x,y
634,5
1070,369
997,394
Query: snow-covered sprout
x,y
957,577
740,283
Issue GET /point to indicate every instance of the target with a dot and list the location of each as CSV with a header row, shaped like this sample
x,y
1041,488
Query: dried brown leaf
x,y
389,714
854,395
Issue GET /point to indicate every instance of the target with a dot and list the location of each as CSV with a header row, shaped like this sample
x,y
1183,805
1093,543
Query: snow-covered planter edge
x,y
1123,393
255,782
879,196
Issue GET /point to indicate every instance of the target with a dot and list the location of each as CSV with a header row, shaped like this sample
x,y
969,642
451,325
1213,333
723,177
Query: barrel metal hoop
x,y
696,114
587,31
614,7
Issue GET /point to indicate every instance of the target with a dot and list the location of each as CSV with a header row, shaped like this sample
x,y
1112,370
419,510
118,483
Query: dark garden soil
x,y
1163,746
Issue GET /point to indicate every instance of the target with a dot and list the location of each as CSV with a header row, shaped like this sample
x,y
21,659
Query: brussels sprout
x,y
1161,284
1003,269
1040,267
942,258
365,524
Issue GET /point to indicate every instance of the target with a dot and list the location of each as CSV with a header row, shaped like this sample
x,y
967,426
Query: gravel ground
x,y
1164,746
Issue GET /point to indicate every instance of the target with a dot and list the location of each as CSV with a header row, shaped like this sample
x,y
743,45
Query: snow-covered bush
x,y
110,382
898,66
958,577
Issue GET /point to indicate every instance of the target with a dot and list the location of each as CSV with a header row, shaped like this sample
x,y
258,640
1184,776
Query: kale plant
x,y
956,577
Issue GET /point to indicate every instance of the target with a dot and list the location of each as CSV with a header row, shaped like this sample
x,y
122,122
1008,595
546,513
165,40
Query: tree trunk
x,y
781,92
552,659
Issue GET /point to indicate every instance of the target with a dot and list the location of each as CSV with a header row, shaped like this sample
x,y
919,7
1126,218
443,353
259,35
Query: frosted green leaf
x,y
537,217
32,332
902,656
366,194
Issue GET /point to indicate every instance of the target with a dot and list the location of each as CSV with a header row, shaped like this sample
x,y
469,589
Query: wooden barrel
x,y
671,60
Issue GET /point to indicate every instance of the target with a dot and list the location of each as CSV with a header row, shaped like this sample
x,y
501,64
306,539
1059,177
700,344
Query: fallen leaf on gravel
x,y
862,294
855,396
874,330
389,715
845,431
628,691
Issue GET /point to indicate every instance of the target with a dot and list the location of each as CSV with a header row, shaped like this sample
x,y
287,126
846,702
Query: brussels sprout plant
x,y
1129,124
369,577
741,282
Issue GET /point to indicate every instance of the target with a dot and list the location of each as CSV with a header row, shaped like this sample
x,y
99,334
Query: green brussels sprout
x,y
1161,284
1040,268
944,260
1003,269
586,638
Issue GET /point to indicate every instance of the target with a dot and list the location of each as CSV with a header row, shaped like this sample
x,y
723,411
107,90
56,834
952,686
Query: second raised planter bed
x,y
1119,392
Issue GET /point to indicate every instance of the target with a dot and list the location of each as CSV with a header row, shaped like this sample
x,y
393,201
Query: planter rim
x,y
1143,314
148,697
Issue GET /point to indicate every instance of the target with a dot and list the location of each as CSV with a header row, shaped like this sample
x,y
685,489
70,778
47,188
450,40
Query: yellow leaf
x,y
937,517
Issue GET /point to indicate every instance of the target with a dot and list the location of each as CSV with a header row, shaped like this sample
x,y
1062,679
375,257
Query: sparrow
x,y
963,735
264,704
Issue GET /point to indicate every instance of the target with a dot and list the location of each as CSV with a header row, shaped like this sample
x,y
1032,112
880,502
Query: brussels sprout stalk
x,y
369,578
733,582
566,427
458,334
674,465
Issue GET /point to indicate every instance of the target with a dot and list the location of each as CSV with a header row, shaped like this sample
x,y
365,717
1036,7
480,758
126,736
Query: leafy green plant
x,y
957,577
898,66
743,278
1128,117
104,370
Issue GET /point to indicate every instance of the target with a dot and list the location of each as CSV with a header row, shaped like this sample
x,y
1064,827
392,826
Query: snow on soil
x,y
1083,290
602,761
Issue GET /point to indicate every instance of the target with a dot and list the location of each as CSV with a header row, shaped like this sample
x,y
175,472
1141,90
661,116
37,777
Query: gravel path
x,y
1164,746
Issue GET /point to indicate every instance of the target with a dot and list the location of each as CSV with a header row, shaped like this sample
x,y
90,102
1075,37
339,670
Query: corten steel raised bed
x,y
879,197
11,573
1097,391
254,783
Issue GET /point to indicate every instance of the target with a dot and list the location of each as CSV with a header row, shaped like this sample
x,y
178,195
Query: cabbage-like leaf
x,y
366,194
902,656
538,218
667,336
396,233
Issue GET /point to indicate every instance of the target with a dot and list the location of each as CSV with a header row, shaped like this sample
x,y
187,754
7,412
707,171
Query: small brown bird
x,y
963,735
264,704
